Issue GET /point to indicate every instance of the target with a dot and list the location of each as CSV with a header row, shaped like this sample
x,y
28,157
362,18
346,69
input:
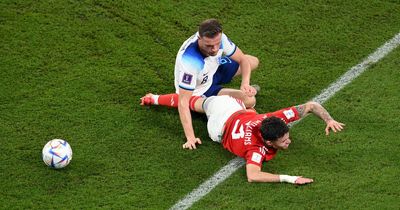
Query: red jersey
x,y
243,138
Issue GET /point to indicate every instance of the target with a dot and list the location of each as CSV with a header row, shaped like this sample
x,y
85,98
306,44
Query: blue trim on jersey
x,y
232,52
229,40
185,88
224,75
193,57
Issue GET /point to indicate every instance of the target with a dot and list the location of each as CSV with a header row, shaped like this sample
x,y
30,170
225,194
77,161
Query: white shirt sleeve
x,y
187,78
228,47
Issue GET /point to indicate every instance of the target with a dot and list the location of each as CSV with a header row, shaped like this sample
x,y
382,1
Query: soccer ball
x,y
57,153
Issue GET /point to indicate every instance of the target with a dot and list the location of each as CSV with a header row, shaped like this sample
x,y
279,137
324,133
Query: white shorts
x,y
218,109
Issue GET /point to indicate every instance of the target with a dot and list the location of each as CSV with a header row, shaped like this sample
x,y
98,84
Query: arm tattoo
x,y
300,110
322,113
318,110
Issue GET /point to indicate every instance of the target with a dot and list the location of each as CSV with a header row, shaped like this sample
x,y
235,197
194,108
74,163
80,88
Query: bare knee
x,y
253,61
249,102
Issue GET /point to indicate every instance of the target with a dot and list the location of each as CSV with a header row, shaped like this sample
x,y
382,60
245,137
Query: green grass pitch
x,y
76,70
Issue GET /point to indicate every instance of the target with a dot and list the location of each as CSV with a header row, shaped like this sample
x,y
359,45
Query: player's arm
x,y
245,67
254,174
186,119
321,112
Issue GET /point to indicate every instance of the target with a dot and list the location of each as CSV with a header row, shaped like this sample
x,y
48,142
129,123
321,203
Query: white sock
x,y
155,98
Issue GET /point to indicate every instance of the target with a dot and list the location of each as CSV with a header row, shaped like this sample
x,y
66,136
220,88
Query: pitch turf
x,y
76,69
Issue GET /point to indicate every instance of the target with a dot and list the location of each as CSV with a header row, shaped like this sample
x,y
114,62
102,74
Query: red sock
x,y
192,101
169,100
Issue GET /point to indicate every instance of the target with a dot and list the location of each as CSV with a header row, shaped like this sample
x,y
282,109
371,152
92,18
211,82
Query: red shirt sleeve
x,y
288,114
257,155
254,157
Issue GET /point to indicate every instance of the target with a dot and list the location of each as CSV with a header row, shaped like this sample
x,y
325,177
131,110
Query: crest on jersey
x,y
289,113
256,157
187,78
224,60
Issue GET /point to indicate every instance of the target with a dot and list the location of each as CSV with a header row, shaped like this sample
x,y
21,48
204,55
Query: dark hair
x,y
210,28
273,128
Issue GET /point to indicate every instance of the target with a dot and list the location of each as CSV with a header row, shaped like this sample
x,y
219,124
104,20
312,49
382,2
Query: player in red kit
x,y
257,137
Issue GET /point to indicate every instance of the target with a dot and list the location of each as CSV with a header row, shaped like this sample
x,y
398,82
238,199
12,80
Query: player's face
x,y
282,143
210,46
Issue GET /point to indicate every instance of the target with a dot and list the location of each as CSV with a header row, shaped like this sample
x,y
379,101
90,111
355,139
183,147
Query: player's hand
x,y
191,143
248,90
301,180
333,125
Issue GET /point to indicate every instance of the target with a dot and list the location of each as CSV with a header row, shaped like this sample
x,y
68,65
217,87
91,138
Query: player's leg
x,y
198,105
218,109
253,64
169,100
249,101
217,104
225,73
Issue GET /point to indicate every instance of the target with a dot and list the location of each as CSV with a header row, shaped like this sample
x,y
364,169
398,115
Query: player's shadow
x,y
199,116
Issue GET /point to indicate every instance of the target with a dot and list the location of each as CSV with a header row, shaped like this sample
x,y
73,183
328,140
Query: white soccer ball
x,y
57,153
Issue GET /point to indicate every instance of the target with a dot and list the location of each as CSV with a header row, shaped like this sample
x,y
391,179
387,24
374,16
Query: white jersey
x,y
194,71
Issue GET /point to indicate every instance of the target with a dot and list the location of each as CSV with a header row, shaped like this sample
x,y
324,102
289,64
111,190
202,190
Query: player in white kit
x,y
204,62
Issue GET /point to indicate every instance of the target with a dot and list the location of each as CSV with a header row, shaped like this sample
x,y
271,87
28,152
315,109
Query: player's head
x,y
275,133
210,33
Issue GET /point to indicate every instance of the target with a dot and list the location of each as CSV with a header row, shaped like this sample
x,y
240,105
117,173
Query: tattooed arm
x,y
321,112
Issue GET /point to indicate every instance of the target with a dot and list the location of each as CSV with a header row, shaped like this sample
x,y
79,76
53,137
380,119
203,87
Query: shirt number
x,y
204,80
240,133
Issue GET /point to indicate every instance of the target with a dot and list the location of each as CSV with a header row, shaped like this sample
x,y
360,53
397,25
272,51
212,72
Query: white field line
x,y
325,94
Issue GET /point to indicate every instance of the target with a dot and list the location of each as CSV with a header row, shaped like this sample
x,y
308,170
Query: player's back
x,y
242,132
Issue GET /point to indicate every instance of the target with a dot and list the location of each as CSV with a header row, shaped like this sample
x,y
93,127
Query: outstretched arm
x,y
254,174
321,112
186,119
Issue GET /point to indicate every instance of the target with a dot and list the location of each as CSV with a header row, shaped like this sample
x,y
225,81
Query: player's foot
x,y
147,100
257,87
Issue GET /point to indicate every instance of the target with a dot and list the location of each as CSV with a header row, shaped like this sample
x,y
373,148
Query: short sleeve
x,y
288,114
227,46
187,79
254,157
189,64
